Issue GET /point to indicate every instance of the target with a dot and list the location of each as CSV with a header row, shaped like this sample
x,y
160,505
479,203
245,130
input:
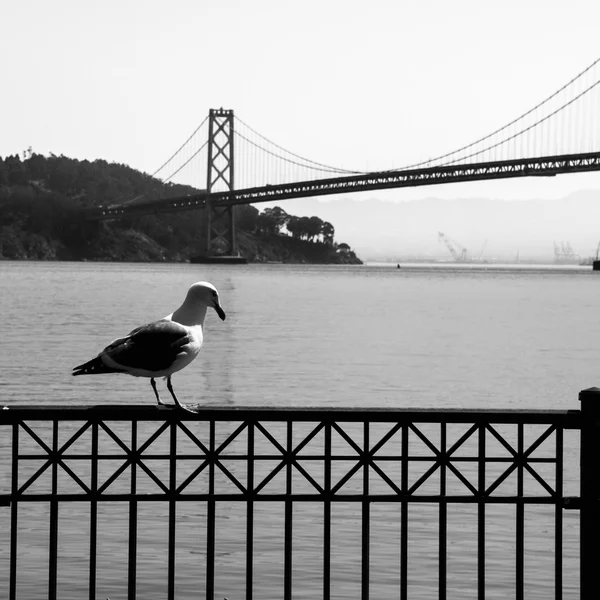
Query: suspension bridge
x,y
231,164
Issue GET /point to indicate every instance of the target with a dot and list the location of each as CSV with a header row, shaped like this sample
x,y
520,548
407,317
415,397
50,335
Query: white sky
x,y
364,85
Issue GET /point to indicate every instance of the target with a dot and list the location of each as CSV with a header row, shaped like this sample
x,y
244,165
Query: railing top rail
x,y
111,412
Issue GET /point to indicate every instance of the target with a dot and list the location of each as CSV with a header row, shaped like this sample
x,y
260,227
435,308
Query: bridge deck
x,y
548,166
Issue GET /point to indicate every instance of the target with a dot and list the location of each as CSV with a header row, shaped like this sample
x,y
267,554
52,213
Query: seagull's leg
x,y
170,388
153,383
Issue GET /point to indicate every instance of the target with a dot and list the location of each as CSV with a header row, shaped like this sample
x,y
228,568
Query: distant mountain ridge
x,y
379,229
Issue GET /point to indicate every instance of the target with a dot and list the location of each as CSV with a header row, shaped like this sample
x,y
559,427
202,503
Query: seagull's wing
x,y
152,347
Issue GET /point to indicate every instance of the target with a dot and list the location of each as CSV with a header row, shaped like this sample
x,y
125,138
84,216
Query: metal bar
x,y
327,515
210,517
289,513
282,497
558,516
14,512
443,518
404,517
366,517
313,457
590,492
132,559
172,511
250,514
520,520
481,516
569,419
53,547
93,513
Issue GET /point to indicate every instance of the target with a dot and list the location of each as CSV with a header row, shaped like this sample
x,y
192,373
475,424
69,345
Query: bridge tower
x,y
220,238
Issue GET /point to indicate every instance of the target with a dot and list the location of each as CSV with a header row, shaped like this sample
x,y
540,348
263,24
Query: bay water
x,y
421,336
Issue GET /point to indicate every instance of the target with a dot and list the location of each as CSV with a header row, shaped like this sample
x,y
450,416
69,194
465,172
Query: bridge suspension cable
x,y
518,127
260,161
508,125
179,150
327,168
539,131
565,122
526,129
294,162
187,162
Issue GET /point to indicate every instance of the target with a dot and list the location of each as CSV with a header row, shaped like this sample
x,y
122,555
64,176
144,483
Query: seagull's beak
x,y
220,311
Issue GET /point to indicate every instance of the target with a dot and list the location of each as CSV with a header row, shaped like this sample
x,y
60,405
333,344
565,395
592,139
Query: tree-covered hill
x,y
43,203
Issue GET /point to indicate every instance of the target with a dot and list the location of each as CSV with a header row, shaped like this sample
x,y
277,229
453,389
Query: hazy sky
x,y
363,85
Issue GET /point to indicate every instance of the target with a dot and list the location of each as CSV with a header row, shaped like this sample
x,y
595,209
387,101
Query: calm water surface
x,y
298,336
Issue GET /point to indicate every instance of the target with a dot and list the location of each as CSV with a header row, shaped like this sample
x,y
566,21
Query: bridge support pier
x,y
220,222
220,239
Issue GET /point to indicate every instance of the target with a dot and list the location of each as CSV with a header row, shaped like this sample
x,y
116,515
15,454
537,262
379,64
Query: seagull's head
x,y
206,293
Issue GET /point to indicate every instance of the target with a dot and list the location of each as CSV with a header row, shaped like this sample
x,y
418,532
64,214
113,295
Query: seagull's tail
x,y
93,367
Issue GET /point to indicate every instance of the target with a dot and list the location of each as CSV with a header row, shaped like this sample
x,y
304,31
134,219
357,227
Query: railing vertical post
x,y
94,513
250,514
366,517
53,548
590,493
404,516
172,510
14,512
210,515
133,518
288,518
481,512
327,514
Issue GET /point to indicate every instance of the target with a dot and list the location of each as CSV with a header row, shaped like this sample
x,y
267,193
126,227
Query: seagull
x,y
163,347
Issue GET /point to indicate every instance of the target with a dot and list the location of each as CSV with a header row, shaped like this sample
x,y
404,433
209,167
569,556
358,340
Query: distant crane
x,y
564,253
459,253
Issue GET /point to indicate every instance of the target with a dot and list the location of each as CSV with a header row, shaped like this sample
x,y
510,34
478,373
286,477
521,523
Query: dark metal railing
x,y
74,460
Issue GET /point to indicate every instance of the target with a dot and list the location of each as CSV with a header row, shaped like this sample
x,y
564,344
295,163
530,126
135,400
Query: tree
x,y
328,232
315,226
292,226
279,215
3,173
17,175
271,220
36,165
303,228
266,224
246,217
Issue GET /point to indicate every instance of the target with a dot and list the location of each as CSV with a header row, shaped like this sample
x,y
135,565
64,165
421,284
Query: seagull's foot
x,y
193,408
181,406
161,404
